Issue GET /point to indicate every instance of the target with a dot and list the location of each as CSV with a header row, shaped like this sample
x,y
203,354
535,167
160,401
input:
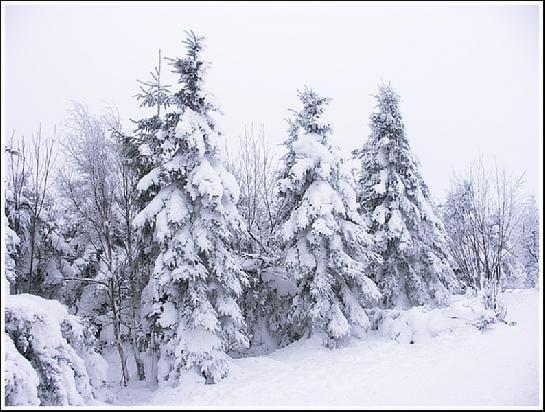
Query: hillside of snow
x,y
451,362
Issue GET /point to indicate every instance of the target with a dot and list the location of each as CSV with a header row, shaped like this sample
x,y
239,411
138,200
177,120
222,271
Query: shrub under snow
x,y
420,323
49,359
20,380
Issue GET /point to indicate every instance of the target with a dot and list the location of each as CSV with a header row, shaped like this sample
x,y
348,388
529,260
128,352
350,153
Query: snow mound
x,y
420,323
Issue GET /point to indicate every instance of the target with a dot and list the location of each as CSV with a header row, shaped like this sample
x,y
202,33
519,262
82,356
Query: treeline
x,y
182,257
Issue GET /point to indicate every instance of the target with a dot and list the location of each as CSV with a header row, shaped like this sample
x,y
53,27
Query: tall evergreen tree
x,y
408,231
325,241
191,299
136,151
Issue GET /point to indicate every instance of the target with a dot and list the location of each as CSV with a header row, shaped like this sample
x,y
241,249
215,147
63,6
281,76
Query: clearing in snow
x,y
451,363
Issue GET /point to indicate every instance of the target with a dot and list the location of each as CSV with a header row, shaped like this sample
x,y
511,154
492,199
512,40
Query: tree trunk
x,y
136,350
117,334
32,247
154,359
134,294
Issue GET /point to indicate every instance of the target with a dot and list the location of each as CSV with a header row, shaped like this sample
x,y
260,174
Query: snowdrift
x,y
421,323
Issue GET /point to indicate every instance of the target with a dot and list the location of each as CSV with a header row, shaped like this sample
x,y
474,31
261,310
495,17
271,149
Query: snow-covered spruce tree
x,y
408,231
325,241
191,299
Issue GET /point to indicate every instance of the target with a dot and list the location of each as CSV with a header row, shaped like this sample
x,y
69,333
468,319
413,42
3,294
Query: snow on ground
x,y
458,366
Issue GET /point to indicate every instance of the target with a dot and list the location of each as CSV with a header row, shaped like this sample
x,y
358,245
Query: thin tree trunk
x,y
117,335
136,350
154,358
137,359
32,251
133,279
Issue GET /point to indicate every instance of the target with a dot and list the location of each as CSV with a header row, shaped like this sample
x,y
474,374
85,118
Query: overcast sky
x,y
468,75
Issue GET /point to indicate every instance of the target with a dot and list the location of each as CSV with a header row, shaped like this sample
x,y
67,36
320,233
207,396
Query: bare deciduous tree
x,y
42,162
482,214
30,178
17,203
254,165
126,205
93,190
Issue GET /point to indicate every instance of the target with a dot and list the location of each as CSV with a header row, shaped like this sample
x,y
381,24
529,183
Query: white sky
x,y
468,74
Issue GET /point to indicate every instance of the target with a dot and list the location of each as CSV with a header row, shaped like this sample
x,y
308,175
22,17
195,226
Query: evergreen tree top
x,y
191,70
308,119
388,99
153,93
194,44
387,117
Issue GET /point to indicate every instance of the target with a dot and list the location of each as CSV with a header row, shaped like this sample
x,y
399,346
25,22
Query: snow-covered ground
x,y
454,364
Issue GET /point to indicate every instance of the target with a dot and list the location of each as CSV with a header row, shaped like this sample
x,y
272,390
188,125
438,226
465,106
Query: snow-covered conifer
x,y
408,231
191,299
154,93
326,242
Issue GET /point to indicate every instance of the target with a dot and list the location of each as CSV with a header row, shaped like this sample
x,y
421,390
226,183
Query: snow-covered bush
x,y
420,323
266,305
57,346
20,379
